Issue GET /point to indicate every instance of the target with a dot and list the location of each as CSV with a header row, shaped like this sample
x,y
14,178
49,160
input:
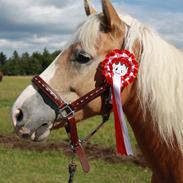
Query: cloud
x,y
37,24
165,21
27,15
29,25
14,44
168,24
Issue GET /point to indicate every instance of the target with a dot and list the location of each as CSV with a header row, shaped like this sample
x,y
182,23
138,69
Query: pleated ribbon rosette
x,y
120,68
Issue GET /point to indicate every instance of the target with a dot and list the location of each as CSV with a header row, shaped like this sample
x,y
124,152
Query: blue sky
x,y
29,25
168,5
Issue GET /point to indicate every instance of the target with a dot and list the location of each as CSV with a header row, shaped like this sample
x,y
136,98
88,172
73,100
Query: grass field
x,y
50,166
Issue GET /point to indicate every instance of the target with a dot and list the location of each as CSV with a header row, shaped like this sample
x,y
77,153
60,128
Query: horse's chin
x,y
41,134
38,135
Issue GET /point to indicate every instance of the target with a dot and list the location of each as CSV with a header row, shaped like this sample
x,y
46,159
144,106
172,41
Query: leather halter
x,y
66,113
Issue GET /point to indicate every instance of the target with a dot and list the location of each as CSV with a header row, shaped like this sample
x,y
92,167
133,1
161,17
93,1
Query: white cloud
x,y
166,23
30,12
39,40
27,25
4,43
41,23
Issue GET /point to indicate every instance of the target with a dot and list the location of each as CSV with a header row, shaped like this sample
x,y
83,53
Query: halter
x,y
66,113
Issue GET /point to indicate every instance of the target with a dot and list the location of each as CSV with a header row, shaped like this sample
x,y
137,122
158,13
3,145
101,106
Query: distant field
x,y
50,166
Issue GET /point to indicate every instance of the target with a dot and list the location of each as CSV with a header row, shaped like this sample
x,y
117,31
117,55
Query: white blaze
x,y
47,75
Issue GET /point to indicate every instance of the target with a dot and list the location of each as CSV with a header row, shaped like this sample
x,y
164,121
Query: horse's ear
x,y
111,17
88,8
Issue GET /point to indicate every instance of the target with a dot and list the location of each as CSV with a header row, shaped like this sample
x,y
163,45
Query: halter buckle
x,y
66,111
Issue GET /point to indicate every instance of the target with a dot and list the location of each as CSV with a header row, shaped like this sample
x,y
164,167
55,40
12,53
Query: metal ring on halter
x,y
66,111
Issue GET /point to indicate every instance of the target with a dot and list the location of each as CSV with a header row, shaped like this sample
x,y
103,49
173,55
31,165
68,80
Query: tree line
x,y
26,64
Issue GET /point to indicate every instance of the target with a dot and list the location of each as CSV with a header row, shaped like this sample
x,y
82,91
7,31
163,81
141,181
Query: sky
x,y
29,25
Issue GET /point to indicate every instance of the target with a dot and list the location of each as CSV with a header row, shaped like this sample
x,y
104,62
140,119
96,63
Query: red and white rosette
x,y
120,68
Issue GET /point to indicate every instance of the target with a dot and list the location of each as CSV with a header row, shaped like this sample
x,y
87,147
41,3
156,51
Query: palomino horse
x,y
153,104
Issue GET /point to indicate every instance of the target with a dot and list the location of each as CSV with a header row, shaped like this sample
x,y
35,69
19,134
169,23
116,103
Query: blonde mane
x,y
160,81
160,78
87,33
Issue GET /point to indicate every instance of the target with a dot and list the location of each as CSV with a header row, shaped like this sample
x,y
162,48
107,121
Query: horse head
x,y
73,73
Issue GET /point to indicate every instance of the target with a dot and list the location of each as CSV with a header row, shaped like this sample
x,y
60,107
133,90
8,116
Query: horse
x,y
153,104
1,76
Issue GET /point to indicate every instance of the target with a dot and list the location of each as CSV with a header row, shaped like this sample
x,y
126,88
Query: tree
x,y
47,59
15,64
26,64
15,56
36,63
2,58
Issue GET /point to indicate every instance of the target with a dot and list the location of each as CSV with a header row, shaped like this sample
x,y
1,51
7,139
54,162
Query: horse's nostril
x,y
19,115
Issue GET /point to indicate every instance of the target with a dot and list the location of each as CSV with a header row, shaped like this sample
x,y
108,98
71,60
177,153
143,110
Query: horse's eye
x,y
83,57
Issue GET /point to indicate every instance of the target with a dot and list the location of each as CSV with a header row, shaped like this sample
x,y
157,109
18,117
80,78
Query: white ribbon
x,y
117,94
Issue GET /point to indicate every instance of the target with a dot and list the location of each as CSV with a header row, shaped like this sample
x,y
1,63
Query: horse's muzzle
x,y
32,117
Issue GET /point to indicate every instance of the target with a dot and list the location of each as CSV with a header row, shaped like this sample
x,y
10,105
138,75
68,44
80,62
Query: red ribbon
x,y
120,145
120,69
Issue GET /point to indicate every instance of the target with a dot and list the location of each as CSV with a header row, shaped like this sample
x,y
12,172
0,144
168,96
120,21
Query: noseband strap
x,y
67,111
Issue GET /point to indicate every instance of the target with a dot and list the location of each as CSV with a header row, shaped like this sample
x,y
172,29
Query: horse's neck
x,y
155,151
142,129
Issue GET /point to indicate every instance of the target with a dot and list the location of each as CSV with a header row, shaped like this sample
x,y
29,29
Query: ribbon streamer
x,y
120,68
122,137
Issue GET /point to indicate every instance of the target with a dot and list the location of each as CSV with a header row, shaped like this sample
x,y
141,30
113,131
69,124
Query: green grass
x,y
51,166
10,88
26,166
